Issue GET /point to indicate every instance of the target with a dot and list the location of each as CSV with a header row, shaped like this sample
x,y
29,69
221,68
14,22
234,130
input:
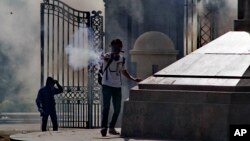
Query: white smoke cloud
x,y
81,52
80,58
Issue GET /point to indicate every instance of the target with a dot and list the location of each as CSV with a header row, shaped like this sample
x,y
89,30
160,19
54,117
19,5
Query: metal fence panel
x,y
79,105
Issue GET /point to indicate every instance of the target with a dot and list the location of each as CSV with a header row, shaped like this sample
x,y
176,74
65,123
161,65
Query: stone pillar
x,y
247,10
243,22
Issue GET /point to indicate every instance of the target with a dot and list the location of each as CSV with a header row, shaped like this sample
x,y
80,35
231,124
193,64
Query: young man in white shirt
x,y
113,66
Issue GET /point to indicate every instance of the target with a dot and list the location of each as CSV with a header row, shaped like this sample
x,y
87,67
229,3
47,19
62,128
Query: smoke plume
x,y
82,55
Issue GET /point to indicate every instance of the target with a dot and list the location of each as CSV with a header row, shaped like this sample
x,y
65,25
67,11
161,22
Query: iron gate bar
x,y
53,38
67,54
78,45
73,40
48,44
89,101
63,26
58,38
42,43
190,21
186,6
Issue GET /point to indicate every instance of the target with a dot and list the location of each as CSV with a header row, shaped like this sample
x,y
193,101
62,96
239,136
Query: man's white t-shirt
x,y
112,75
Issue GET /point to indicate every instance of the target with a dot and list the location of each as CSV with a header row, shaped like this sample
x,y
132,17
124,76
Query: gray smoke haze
x,y
134,8
224,10
20,51
211,5
19,38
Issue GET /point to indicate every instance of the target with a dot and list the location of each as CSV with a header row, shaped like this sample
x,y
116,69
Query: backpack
x,y
100,72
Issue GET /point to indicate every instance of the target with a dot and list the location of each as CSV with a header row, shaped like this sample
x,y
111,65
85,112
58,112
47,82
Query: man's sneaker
x,y
112,131
104,131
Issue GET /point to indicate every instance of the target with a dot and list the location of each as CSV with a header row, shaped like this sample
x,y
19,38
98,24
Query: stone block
x,y
191,121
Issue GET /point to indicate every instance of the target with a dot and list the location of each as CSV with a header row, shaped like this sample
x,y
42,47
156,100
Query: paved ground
x,y
31,132
68,135
19,127
9,129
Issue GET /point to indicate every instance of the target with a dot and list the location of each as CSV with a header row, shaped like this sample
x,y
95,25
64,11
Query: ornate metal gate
x,y
79,105
199,25
205,28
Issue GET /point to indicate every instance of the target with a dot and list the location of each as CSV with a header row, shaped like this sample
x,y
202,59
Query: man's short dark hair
x,y
117,42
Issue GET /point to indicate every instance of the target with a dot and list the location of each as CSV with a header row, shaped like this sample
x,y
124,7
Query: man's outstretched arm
x,y
127,75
